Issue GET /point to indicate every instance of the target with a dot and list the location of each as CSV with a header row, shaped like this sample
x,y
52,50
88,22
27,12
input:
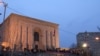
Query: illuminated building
x,y
19,32
90,40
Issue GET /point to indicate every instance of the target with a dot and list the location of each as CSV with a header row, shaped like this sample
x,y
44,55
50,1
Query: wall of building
x,y
4,32
90,39
21,30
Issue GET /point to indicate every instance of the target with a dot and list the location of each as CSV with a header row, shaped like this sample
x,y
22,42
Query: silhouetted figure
x,y
7,52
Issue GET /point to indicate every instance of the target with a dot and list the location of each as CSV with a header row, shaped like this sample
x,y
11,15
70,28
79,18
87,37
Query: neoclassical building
x,y
19,32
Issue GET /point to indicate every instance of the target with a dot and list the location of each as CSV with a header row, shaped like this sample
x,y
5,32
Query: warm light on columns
x,y
5,44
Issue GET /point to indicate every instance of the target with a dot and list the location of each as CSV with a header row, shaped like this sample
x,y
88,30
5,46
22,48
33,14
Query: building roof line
x,y
34,19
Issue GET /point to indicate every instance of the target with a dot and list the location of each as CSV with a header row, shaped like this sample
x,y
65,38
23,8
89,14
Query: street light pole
x,y
5,5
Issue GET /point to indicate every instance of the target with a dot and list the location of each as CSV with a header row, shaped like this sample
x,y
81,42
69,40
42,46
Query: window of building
x,y
36,36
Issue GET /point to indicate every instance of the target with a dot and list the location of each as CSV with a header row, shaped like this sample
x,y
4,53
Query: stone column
x,y
57,39
43,39
31,36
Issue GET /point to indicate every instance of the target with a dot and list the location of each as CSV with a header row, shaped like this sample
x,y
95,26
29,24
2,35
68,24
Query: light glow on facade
x,y
5,44
97,38
84,45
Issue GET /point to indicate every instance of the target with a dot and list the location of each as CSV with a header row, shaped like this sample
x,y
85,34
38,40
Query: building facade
x,y
19,32
91,40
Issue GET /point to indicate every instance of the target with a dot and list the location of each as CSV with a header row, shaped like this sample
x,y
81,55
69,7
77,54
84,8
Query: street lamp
x,y
5,5
97,38
84,45
86,40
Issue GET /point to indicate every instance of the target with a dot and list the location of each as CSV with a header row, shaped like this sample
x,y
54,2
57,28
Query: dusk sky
x,y
73,16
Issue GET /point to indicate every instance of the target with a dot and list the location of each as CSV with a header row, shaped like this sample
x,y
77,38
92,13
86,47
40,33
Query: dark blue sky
x,y
73,16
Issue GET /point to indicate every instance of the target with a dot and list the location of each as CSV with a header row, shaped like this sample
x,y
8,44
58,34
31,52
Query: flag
x,y
54,33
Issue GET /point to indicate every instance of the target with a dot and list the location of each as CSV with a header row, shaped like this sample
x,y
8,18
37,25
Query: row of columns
x,y
50,38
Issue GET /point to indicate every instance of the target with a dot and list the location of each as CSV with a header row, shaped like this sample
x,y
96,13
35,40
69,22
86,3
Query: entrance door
x,y
36,47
